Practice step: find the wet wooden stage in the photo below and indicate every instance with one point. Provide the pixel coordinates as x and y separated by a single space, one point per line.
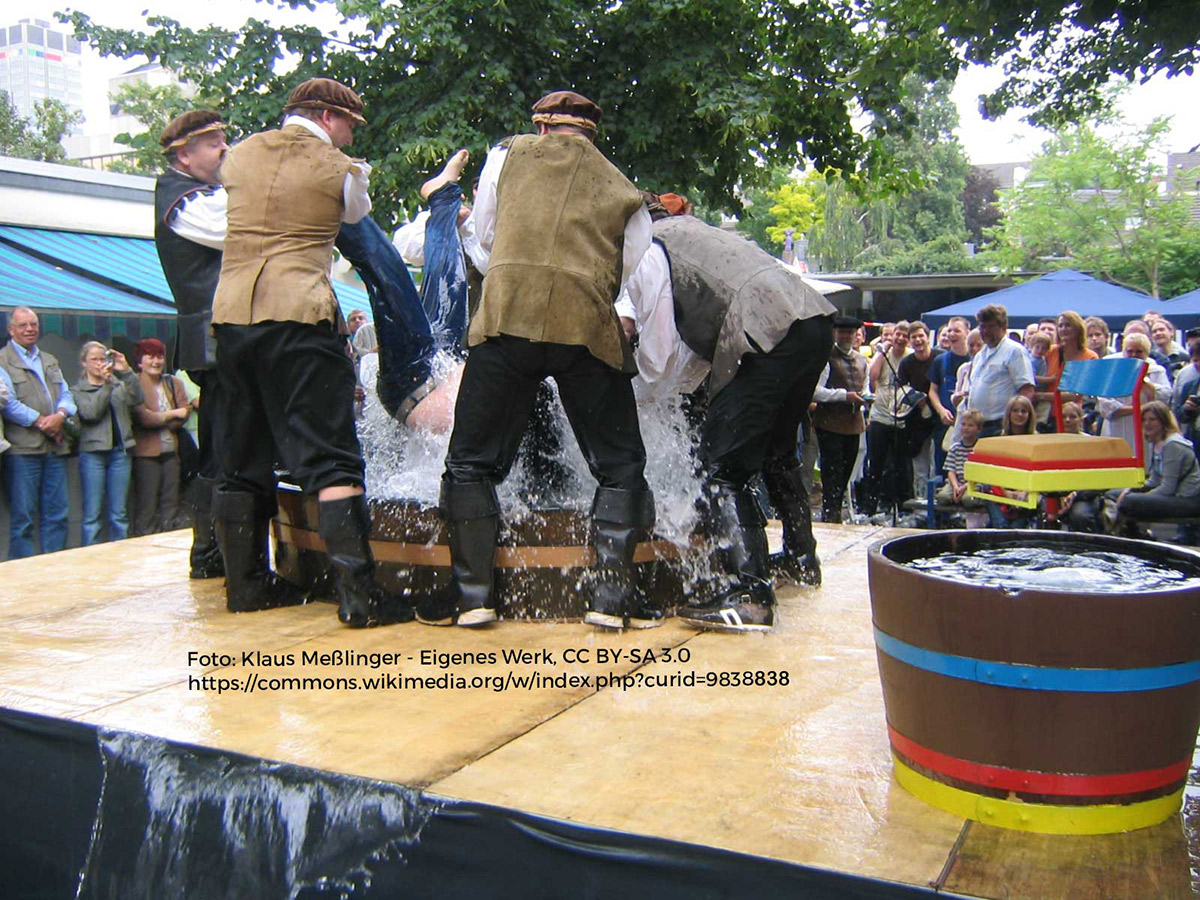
798 771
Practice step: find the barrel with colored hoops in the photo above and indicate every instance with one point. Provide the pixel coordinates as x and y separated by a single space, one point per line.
1050 711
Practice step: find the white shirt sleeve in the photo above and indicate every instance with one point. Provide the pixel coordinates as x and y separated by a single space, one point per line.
665 363
409 240
354 193
202 218
470 243
485 204
639 235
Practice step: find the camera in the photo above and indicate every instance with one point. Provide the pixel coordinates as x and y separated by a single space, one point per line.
110 357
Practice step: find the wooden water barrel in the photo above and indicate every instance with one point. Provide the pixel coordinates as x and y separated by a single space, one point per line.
539 561
1040 710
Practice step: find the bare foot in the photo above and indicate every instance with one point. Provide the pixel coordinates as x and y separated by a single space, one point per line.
453 169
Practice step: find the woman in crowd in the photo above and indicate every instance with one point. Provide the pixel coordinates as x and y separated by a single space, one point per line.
1117 412
105 396
1172 488
1072 334
161 414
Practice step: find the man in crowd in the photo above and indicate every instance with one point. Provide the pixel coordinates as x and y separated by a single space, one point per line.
35 466
189 232
999 372
705 296
888 481
913 374
838 417
943 376
563 229
281 360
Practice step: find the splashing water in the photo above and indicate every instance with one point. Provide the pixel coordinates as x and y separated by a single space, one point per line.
1044 568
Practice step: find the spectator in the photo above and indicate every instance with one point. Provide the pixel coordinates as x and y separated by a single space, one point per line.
1137 326
1191 338
163 411
35 411
1071 346
1072 416
106 396
1185 399
1172 488
1000 371
943 378
1117 412
913 375
1038 345
955 488
356 320
366 352
1162 333
888 482
1018 420
838 417
1048 326
1097 336
1030 330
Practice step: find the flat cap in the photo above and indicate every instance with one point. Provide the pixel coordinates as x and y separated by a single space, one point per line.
567 108
845 321
190 124
325 93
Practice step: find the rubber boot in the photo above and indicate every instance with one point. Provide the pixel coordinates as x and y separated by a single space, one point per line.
241 522
798 562
345 527
735 521
614 599
206 561
472 514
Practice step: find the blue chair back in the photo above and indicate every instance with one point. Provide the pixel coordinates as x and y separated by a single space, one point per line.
1101 377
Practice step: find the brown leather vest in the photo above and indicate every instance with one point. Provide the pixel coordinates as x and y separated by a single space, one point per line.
285 210
28 441
849 374
555 268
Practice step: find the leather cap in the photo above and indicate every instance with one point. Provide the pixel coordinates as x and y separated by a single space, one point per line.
325 93
567 108
190 124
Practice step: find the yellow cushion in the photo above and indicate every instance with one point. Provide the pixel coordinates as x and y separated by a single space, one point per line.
1039 447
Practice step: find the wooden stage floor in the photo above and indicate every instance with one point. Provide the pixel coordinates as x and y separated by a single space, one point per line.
798 771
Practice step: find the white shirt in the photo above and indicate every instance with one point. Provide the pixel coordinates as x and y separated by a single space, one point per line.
997 374
638 230
1126 427
409 241
665 363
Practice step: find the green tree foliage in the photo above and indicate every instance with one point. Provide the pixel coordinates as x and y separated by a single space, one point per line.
153 106
795 208
41 139
980 209
700 98
1100 204
1058 55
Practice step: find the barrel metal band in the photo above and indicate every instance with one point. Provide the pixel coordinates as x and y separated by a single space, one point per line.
1037 817
1039 678
526 557
1038 782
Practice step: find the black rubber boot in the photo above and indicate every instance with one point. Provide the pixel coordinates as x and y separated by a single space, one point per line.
798 562
345 527
735 523
619 518
205 559
472 514
241 522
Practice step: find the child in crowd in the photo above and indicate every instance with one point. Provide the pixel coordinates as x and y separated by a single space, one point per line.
955 488
1018 419
1039 346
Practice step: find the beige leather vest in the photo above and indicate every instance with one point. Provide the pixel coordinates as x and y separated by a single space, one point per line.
555 268
285 210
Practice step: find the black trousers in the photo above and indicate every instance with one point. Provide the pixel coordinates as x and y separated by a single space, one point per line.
838 453
209 418
889 466
756 417
498 388
288 395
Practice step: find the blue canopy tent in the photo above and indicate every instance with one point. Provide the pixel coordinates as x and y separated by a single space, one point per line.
1058 291
1184 310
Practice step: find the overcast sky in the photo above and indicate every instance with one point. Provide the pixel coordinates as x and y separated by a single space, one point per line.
1008 140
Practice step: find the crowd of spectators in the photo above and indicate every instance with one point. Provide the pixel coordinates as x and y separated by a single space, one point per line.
928 399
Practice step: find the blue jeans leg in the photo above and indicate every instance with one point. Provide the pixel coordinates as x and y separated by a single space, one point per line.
91 481
54 504
22 478
117 493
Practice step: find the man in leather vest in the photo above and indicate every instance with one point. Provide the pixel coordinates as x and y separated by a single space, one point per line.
564 229
189 232
35 465
838 418
765 335
283 368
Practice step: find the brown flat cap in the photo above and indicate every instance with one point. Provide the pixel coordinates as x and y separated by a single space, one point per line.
325 93
567 108
192 123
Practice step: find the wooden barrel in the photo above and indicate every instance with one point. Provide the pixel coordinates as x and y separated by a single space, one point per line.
539 561
1039 710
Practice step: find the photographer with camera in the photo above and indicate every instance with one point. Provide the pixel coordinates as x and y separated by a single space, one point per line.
1185 401
105 396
